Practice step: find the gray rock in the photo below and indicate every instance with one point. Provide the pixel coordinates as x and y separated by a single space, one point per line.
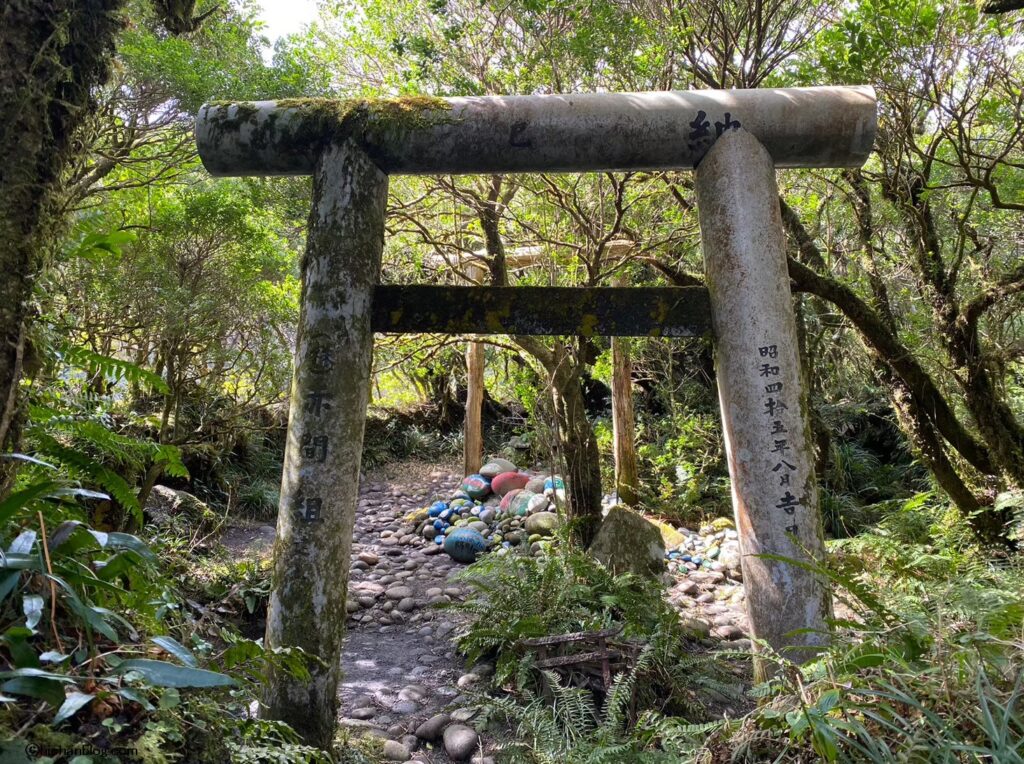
460 742
364 713
405 707
406 604
432 728
496 466
544 523
697 627
626 542
395 751
398 593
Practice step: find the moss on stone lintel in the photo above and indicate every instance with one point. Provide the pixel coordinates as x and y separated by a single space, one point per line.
317 121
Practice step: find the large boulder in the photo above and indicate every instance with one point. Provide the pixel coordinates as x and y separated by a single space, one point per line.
627 543
670 536
166 507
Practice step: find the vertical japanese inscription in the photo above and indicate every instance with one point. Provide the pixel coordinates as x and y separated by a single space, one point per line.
775 409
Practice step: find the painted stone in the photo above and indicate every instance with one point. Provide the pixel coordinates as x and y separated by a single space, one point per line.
463 545
509 481
476 486
460 494
521 503
508 498
495 467
556 485
436 508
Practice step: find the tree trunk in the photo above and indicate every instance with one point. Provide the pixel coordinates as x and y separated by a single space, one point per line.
52 57
581 454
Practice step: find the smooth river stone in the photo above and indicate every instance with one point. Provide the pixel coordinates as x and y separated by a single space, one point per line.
544 523
495 467
509 481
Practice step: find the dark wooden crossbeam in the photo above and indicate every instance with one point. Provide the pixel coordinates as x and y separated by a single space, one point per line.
586 311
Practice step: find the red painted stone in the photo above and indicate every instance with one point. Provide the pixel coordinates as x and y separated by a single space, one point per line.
508 481
506 500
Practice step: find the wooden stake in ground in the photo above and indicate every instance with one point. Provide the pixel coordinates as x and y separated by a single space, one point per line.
627 479
473 435
330 393
762 396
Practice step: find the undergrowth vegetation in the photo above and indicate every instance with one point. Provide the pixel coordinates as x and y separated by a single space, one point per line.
926 662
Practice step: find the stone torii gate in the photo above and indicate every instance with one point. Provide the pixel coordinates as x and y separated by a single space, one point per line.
734 140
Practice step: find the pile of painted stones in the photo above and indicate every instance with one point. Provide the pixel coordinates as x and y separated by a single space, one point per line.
500 508
715 547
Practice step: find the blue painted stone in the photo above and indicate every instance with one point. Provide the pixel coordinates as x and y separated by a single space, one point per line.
439 539
446 514
686 558
556 483
439 524
476 486
697 560
673 555
464 544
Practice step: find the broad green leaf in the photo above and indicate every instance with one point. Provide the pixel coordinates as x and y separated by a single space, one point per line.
7 583
50 690
9 507
22 545
72 704
178 650
130 693
162 674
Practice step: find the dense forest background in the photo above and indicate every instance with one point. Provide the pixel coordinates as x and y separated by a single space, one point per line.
149 313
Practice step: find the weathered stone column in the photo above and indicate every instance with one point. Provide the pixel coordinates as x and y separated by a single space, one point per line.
760 388
330 393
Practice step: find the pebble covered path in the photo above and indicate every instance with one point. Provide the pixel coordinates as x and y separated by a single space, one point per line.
401 673
403 681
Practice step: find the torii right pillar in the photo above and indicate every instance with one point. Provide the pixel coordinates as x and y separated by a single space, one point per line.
762 397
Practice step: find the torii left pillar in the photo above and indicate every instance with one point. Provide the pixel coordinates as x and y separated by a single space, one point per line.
330 393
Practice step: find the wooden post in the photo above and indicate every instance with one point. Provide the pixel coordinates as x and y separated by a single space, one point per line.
627 480
762 396
330 393
473 436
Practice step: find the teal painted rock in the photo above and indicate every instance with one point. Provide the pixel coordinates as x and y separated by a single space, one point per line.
476 486
495 467
464 545
521 503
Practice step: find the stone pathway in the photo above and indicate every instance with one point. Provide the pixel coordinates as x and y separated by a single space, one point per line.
401 673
